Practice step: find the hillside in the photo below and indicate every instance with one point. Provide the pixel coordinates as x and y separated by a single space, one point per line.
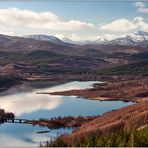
48 57
53 44
139 68
127 118
132 138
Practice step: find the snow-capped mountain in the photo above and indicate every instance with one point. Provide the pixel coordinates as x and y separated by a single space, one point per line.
133 39
98 41
138 38
4 38
41 37
67 40
101 40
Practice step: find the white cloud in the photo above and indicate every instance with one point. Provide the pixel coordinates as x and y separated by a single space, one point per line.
41 20
110 36
141 25
23 21
7 32
141 7
137 20
139 4
143 10
16 141
33 103
101 36
121 25
73 37
124 25
60 36
76 37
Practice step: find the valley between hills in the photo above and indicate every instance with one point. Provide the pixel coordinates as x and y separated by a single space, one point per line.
123 69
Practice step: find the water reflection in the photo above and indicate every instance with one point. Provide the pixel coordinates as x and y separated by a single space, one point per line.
30 105
75 85
13 141
26 135
29 102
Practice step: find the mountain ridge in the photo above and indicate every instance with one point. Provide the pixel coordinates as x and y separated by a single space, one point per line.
138 38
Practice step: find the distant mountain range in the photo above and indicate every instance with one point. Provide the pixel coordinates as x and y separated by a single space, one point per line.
135 39
63 55
42 37
138 38
132 43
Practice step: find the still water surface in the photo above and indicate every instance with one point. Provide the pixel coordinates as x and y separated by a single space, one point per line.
29 105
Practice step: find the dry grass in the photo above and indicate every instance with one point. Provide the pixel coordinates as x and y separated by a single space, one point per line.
133 116
120 88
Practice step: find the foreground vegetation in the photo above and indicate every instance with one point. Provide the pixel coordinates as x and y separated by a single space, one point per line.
132 138
123 127
5 116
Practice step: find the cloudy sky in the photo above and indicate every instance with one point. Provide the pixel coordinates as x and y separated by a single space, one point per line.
77 20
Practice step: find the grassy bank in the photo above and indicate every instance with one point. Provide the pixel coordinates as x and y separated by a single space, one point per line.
132 138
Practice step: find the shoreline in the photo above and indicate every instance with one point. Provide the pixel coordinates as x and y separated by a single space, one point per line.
29 85
127 118
120 89
58 79
62 122
113 90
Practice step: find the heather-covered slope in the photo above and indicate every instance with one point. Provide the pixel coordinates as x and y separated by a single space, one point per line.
126 118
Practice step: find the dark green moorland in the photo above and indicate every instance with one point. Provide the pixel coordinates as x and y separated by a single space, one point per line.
139 68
